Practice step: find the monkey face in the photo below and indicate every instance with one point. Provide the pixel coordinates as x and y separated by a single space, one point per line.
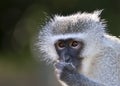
69 50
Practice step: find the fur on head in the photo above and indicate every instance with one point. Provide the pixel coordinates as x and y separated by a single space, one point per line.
87 27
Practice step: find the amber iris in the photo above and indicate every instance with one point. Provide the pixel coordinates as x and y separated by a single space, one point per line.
61 44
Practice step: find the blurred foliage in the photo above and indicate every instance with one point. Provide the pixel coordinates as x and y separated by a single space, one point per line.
20 20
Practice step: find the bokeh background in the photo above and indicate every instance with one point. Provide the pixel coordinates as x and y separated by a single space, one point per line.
20 20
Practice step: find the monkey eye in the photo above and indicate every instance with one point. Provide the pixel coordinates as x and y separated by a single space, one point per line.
60 44
74 44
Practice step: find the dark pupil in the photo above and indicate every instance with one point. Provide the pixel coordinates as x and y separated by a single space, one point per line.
61 44
74 43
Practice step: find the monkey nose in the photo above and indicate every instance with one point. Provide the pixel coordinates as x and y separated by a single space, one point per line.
67 58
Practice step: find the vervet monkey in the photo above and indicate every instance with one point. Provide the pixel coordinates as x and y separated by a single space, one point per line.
83 53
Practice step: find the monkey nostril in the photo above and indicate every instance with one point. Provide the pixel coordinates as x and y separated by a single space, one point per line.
67 59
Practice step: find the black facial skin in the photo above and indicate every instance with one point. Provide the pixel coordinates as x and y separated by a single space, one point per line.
69 50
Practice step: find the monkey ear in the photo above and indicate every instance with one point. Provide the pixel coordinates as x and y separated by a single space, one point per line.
98 12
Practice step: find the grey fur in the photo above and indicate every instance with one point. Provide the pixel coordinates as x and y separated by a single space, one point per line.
101 53
75 23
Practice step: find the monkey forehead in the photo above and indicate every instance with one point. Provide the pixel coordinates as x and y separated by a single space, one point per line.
85 38
77 36
75 23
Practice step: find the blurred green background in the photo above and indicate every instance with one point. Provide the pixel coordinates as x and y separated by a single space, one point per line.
19 22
